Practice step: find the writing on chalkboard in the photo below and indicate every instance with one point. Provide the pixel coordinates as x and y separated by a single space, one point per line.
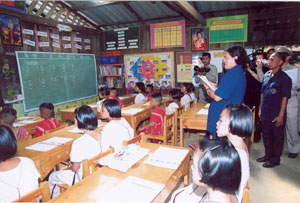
56 77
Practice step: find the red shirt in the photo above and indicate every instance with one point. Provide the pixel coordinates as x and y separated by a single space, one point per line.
157 117
47 124
121 103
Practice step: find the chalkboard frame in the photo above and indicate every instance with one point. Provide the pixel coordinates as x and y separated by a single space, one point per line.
21 79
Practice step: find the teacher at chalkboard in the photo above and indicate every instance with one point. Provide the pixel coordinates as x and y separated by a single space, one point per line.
231 89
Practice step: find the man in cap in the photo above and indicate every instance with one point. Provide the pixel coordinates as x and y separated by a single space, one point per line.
291 128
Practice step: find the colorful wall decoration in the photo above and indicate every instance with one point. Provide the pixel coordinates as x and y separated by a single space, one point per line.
150 68
228 29
167 35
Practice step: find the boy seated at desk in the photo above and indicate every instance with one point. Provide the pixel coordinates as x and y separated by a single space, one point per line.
85 147
156 125
47 113
149 91
174 98
113 94
7 118
103 94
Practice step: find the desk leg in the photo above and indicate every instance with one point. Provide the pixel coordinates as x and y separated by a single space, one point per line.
186 179
181 133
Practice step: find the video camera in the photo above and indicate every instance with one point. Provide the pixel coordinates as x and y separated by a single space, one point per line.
198 70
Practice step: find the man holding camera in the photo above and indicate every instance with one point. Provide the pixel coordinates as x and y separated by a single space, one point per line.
208 70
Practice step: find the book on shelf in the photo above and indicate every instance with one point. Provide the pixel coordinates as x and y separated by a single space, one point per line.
114 82
110 70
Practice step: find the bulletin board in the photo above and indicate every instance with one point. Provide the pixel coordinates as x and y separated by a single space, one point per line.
228 29
151 68
184 66
167 35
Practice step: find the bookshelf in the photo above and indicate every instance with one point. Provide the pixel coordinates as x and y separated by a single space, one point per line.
111 75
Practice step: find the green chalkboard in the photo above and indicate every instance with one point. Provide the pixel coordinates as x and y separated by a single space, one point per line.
56 77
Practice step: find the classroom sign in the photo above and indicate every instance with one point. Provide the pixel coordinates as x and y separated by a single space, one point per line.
228 29
151 68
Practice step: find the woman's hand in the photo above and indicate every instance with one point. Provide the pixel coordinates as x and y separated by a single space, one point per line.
278 121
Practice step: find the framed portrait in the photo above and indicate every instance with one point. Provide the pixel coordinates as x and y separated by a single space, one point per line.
200 39
11 32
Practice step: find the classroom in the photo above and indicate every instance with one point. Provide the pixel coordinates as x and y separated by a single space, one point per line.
149 101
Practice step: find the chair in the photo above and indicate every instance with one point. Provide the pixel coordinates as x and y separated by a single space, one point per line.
56 129
246 194
191 104
140 138
87 163
169 129
43 191
250 140
178 112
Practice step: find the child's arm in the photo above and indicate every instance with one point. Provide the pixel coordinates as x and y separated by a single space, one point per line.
147 126
74 166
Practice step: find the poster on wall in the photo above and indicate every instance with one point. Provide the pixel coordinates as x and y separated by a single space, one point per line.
167 35
19 6
228 29
199 39
184 66
122 38
11 34
151 68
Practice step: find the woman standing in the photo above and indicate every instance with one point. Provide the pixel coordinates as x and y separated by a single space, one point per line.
231 89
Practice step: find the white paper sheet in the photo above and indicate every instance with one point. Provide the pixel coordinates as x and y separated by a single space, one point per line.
133 190
293 74
124 158
132 111
75 130
18 124
26 121
203 112
205 80
207 106
57 140
41 147
165 157
93 105
147 104
123 97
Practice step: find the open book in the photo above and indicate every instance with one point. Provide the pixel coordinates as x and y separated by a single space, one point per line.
205 80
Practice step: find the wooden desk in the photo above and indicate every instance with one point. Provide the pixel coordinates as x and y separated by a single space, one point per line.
30 127
92 188
68 114
45 161
191 120
127 99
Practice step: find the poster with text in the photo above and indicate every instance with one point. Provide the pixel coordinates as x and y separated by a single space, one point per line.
184 66
150 68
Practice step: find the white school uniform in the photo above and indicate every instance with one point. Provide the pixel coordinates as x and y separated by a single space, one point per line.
85 147
139 98
193 96
23 178
244 157
185 100
99 105
191 193
171 108
114 133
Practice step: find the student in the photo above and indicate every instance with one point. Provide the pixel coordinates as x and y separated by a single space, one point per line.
156 125
236 123
85 147
46 112
149 91
117 129
103 94
186 99
217 167
192 92
174 97
140 89
18 175
114 95
7 118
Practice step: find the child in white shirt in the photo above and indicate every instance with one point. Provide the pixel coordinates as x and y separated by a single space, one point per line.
18 175
174 97
85 147
117 129
186 99
140 89
192 92
103 94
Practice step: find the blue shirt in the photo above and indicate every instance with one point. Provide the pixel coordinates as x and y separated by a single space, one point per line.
273 90
232 89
